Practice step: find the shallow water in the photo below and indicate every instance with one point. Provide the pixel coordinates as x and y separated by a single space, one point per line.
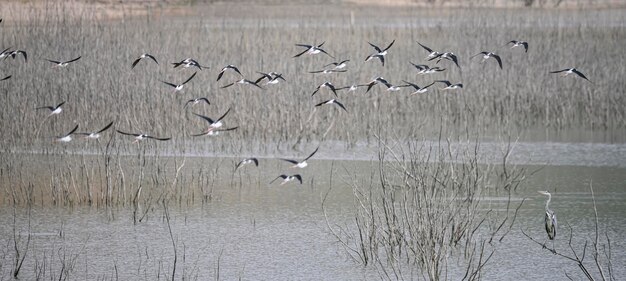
259 231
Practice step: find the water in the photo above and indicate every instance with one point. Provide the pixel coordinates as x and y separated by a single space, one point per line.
271 232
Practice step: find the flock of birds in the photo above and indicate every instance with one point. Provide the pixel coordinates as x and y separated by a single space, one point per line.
215 126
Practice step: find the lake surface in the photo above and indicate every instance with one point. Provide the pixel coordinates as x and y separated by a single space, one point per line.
258 231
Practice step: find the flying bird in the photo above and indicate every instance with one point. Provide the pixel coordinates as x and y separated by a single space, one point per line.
328 71
431 54
287 179
450 86
380 54
213 124
448 56
214 132
425 69
247 161
15 53
63 63
351 88
140 137
550 218
53 109
300 164
196 101
569 71
312 50
332 101
67 137
325 85
488 55
515 43
143 56
272 78
95 135
228 67
188 62
417 88
180 86
338 65
376 80
243 82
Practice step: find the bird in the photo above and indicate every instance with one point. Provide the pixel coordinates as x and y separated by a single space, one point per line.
140 137
243 82
569 71
380 54
325 85
95 135
5 53
550 218
6 78
53 109
247 161
15 53
338 65
63 63
213 124
448 56
188 62
431 54
312 50
287 179
272 78
375 81
488 55
214 132
146 55
450 86
417 88
351 88
328 71
228 67
196 101
300 164
391 87
332 101
425 69
67 137
515 43
180 86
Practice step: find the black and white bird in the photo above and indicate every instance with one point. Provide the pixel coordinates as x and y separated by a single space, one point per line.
418 89
450 86
196 101
180 86
568 71
300 164
332 101
325 85
140 137
226 68
447 56
328 71
67 137
287 179
95 135
247 161
15 53
243 82
425 69
391 87
53 109
272 78
351 88
143 56
431 54
515 43
188 62
488 55
214 132
312 50
380 53
338 65
377 80
63 63
213 124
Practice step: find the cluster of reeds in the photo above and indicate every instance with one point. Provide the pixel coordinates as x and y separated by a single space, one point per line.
425 214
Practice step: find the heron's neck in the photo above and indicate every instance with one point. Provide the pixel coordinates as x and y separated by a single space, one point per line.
548 202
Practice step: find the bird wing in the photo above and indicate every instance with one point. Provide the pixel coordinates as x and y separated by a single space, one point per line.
153 58
341 105
498 59
128 134
59 105
189 79
525 44
160 139
224 115
580 74
205 100
135 63
289 160
321 50
5 78
73 60
390 44
375 47
281 176
298 177
204 117
219 76
105 128
53 61
299 54
425 48
311 154
559 71
226 86
445 82
73 130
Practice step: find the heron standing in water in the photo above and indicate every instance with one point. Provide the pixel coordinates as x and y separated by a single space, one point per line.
550 218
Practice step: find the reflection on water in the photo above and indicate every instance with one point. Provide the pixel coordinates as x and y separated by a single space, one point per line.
269 232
